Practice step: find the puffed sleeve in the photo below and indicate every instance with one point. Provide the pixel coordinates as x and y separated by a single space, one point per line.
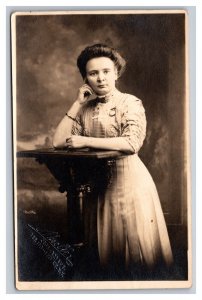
133 122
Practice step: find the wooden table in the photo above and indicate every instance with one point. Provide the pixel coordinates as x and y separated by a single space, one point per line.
80 173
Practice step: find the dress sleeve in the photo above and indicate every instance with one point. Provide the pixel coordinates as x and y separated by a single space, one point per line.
77 125
133 122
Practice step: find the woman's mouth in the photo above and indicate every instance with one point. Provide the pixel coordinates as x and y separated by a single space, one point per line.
102 85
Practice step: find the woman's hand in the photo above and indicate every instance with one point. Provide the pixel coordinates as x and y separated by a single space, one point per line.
83 94
76 141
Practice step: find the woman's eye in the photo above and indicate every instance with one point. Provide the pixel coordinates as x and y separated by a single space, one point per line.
106 72
93 74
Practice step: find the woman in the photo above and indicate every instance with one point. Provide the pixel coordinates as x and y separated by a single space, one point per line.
130 224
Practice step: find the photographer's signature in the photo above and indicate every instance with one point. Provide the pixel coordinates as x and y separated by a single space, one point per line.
60 255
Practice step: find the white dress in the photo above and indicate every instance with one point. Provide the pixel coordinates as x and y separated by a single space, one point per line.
130 223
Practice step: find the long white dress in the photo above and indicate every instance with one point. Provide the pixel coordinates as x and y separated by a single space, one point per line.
130 223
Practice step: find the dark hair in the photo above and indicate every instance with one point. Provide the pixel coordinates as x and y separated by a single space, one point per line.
100 50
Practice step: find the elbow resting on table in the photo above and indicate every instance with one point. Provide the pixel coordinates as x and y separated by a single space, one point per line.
130 151
56 143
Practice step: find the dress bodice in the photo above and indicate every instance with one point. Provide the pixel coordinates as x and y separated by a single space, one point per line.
121 115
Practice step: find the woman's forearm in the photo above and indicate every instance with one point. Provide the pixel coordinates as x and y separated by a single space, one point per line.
64 128
116 143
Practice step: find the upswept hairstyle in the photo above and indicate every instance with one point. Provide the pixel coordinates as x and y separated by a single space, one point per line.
100 50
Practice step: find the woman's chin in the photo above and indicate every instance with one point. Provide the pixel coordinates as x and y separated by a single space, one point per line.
103 92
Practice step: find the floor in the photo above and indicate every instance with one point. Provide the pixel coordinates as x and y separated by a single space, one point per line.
44 253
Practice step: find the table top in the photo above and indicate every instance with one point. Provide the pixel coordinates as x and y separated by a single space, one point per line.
66 153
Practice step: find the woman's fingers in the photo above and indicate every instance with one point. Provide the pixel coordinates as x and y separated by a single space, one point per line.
69 142
75 142
86 88
84 92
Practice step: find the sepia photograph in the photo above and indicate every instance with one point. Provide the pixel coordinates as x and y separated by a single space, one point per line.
101 149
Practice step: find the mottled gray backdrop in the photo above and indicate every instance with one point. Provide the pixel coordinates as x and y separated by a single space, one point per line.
48 79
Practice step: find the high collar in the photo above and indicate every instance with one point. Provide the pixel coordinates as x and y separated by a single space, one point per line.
107 97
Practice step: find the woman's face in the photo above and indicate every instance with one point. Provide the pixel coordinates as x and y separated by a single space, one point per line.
101 75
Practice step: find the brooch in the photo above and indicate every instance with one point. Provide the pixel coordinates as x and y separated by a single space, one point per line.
112 112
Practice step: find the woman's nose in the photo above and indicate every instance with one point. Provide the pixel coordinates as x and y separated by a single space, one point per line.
100 76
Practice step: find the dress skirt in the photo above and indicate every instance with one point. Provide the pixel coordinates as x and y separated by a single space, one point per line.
130 223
